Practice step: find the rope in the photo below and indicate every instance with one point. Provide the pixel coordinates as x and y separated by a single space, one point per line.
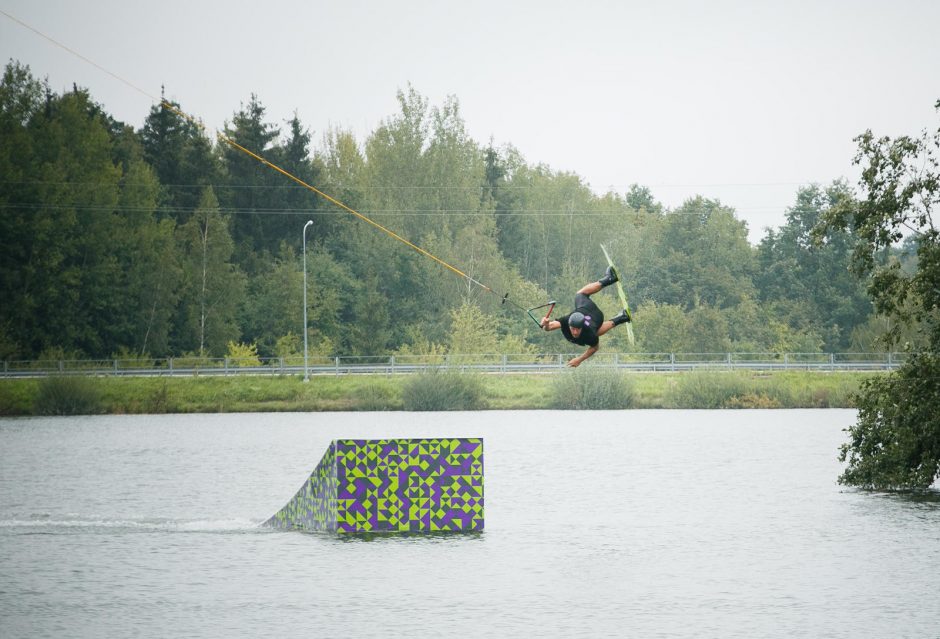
79 55
165 104
235 145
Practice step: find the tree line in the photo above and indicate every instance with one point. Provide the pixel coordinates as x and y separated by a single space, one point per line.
159 241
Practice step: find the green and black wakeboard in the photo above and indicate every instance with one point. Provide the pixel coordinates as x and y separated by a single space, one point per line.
622 296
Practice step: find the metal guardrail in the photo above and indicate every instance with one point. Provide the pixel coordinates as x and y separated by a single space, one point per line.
486 363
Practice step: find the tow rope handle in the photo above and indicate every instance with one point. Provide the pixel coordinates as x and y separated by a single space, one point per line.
551 307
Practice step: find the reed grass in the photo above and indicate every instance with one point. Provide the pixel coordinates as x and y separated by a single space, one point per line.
592 389
67 395
584 387
440 390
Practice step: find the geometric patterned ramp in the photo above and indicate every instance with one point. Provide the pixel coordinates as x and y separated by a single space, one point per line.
391 485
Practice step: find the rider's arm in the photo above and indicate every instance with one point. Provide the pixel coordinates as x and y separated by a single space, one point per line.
574 363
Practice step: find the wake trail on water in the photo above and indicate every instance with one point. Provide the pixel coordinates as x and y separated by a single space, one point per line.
53 524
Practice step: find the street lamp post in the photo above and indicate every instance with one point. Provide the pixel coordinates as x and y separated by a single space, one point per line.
306 369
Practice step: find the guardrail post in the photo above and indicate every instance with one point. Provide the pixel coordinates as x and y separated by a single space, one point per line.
672 362
729 361
226 366
890 359
505 361
391 365
336 361
61 366
115 367
832 361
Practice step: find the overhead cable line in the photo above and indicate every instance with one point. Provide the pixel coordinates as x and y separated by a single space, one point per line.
401 212
407 187
235 145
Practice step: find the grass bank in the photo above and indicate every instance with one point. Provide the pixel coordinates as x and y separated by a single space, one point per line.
129 395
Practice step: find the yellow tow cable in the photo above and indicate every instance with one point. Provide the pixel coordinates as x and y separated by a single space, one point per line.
165 104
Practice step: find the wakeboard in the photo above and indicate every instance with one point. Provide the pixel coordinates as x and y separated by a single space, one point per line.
622 296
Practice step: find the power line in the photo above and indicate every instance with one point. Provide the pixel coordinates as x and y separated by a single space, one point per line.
404 187
235 145
321 211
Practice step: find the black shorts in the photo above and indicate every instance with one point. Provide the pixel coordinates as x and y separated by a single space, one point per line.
585 305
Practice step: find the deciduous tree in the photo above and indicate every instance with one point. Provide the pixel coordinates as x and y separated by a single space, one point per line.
895 443
213 286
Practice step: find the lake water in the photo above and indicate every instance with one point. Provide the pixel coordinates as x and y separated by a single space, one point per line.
620 523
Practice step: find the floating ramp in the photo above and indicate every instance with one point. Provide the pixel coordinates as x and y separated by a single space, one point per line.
391 485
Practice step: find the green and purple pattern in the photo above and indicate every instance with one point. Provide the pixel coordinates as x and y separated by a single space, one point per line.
391 485
314 505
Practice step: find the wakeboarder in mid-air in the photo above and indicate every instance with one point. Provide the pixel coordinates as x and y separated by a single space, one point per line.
585 324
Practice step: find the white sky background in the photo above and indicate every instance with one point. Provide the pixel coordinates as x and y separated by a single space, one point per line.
738 100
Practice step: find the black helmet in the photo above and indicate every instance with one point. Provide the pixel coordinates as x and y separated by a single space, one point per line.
576 320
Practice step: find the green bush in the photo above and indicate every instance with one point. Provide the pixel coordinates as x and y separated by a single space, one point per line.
443 390
374 397
593 389
709 389
245 355
66 395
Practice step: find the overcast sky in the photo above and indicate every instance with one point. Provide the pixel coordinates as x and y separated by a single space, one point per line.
741 101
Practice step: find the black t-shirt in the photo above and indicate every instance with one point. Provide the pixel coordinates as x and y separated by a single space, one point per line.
593 318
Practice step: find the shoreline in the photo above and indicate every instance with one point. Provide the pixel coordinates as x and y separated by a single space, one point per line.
244 394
